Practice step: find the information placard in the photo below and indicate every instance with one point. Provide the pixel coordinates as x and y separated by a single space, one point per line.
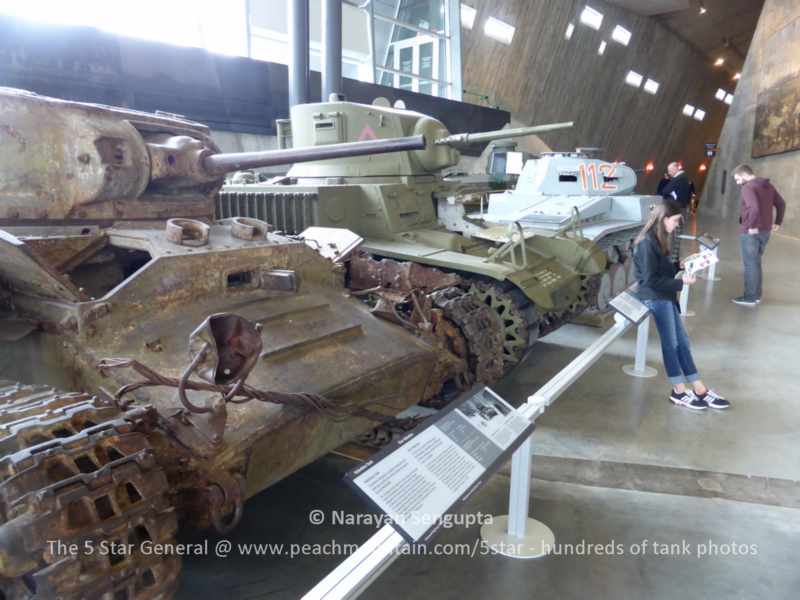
695 263
630 307
428 473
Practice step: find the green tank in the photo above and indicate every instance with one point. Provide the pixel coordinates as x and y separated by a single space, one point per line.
399 203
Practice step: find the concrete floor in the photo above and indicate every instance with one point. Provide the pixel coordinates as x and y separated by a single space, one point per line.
614 461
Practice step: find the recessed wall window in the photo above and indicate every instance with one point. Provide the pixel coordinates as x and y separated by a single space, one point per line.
729 99
497 30
699 114
633 78
570 31
468 16
651 86
602 49
592 18
621 35
688 110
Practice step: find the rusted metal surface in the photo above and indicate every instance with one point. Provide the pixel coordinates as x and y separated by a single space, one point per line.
77 475
367 272
187 232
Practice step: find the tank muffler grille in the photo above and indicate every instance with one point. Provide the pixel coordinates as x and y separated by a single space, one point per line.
291 213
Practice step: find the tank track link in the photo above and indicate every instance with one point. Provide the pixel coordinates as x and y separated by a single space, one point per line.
83 502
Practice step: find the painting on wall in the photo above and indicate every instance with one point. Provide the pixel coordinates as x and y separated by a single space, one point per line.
777 126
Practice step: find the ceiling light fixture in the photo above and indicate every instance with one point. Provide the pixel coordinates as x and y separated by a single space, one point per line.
621 35
719 62
633 78
602 49
703 9
699 114
720 95
688 110
729 99
592 18
497 30
737 77
570 31
651 86
467 16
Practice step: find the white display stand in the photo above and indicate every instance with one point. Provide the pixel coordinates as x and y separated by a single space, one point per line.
684 302
639 367
523 536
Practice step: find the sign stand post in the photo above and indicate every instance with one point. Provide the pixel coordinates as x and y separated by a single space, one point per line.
684 303
639 368
517 535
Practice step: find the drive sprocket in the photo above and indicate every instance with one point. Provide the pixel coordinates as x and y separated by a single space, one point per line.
516 313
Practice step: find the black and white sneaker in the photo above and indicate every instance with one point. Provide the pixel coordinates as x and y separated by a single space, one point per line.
714 400
742 301
688 400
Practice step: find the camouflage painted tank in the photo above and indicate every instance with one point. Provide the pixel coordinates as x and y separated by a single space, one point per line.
503 289
209 359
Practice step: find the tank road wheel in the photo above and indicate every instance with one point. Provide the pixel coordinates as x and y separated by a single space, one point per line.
519 318
82 500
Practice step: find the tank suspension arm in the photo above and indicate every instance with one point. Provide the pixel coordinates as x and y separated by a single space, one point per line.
465 139
219 164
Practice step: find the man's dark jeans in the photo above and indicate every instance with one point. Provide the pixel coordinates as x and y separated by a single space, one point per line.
753 247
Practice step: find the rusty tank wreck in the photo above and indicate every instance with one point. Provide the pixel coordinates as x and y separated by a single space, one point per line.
159 367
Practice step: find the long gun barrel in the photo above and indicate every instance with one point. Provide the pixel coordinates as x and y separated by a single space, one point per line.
219 164
465 139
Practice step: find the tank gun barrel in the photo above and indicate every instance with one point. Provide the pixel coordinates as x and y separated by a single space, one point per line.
465 139
219 164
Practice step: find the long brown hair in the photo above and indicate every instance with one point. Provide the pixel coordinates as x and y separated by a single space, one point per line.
655 223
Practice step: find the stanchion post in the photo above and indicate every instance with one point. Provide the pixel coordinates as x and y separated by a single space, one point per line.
640 368
517 535
712 270
684 302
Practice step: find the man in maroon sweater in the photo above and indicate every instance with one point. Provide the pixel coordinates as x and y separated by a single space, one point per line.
759 198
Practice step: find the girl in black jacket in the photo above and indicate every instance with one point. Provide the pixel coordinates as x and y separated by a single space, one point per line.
658 290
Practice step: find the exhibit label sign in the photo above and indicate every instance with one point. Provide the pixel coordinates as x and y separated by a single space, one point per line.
428 473
630 307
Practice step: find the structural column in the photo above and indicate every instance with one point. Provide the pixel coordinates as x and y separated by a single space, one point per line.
299 44
331 48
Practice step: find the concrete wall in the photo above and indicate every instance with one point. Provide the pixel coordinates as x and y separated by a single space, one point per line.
774 53
543 77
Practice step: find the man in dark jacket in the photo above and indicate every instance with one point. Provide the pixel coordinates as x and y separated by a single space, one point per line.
757 219
678 191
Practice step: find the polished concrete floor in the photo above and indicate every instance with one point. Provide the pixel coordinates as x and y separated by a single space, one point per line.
614 463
